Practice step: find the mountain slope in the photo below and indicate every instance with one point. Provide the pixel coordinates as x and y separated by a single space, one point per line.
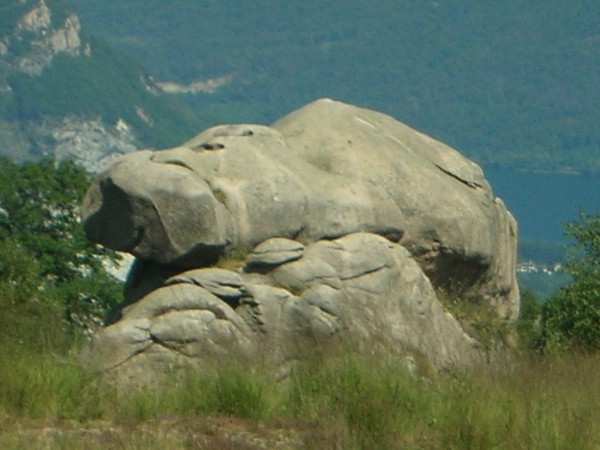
515 83
64 92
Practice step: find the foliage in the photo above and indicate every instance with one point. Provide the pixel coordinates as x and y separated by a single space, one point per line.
571 318
528 323
586 233
52 280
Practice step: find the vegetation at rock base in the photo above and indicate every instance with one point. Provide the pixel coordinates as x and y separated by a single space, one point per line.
569 320
529 324
479 320
344 402
232 260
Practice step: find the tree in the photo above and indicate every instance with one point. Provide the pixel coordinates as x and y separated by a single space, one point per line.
52 279
571 318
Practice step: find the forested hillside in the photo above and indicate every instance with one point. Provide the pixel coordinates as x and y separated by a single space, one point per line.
513 83
63 90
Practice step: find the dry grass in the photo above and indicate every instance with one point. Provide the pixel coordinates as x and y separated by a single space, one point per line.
203 432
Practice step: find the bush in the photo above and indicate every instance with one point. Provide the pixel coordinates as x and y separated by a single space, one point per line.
53 285
571 318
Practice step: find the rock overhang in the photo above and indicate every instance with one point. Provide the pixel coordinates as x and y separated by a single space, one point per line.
293 197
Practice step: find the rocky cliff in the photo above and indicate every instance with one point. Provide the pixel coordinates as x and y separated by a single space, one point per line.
65 94
41 39
346 225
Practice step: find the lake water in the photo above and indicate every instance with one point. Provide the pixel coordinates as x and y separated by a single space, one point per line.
542 203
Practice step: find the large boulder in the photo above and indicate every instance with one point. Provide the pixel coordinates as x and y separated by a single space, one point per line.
360 291
357 203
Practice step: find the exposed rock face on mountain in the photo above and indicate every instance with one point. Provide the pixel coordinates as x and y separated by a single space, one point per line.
40 35
95 145
348 220
65 94
44 39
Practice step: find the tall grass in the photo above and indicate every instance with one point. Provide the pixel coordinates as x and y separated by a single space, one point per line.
348 402
234 390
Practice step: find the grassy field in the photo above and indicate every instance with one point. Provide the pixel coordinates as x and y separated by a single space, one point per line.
521 402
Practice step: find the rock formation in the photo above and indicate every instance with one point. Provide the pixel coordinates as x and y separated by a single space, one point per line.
47 41
344 222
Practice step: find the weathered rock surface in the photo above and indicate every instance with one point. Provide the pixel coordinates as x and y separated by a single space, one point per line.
274 252
351 220
360 289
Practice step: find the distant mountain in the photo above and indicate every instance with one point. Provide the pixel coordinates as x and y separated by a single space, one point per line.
507 82
64 92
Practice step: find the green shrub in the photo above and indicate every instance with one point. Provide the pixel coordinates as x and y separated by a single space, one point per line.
571 318
53 285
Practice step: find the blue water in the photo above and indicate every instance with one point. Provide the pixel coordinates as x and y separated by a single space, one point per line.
542 203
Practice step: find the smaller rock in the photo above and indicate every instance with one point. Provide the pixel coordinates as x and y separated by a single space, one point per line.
272 253
225 284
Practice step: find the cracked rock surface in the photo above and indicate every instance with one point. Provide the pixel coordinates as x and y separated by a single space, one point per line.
344 220
360 287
